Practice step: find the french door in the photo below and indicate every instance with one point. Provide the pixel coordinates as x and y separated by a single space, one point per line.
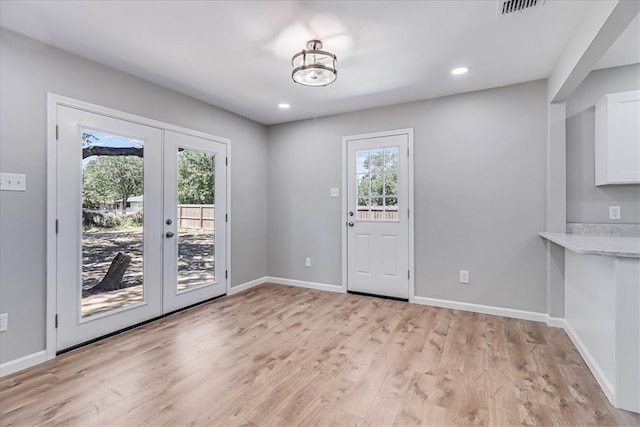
140 223
377 214
194 220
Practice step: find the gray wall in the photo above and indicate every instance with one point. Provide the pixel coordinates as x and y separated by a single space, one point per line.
480 161
28 70
585 201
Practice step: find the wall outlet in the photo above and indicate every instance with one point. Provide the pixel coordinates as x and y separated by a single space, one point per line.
307 262
4 321
334 192
615 212
13 182
464 276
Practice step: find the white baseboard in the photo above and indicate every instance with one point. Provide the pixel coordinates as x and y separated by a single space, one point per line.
556 322
247 285
23 362
483 309
455 305
597 372
303 284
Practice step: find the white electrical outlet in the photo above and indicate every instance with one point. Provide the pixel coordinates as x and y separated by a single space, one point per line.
464 276
335 192
13 182
4 321
307 262
614 212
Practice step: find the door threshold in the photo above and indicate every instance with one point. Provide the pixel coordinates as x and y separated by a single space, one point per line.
378 296
128 328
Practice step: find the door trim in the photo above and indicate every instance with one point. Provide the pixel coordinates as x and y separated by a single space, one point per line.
343 217
53 101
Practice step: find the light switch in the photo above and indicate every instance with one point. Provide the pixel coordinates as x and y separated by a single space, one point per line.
13 182
335 192
464 276
614 212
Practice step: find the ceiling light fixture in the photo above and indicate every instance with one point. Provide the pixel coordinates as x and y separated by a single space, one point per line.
459 70
313 66
284 106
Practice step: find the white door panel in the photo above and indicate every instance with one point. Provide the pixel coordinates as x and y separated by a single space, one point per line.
390 252
363 257
195 257
378 225
86 253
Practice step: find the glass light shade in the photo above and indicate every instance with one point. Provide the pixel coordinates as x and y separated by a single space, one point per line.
314 67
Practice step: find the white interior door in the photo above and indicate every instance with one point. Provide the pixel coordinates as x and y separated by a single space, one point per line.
109 240
195 220
377 215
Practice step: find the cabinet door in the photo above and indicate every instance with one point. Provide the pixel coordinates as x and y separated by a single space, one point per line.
618 139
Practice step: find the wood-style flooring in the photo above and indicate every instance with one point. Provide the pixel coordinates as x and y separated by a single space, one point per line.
285 356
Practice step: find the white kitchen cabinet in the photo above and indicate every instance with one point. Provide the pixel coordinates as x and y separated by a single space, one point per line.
617 139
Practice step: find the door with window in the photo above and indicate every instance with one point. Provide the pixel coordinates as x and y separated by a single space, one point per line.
195 223
139 228
377 214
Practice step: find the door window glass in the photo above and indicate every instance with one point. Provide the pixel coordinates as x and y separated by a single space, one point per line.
112 222
196 219
377 184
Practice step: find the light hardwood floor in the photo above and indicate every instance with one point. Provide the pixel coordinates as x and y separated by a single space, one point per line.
279 355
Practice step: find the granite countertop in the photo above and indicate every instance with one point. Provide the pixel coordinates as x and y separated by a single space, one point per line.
625 247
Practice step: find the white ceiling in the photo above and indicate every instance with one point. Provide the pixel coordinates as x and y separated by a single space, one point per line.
236 54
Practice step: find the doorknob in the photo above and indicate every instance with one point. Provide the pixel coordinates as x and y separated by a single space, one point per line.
169 234
350 224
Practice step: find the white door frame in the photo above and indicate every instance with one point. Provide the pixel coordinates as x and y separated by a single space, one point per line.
53 101
344 219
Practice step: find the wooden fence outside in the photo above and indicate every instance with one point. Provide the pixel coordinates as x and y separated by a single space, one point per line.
202 216
196 216
377 213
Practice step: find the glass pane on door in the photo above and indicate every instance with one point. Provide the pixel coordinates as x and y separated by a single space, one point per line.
112 222
377 184
196 219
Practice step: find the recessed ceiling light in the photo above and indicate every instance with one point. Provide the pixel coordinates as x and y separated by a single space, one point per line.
284 106
459 70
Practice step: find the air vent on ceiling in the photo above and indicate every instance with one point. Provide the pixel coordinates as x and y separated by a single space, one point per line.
506 7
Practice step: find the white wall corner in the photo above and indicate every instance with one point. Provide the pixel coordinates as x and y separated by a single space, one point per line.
556 214
595 369
556 322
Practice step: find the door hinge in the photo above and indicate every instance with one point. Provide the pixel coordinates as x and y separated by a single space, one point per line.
408 212
56 226
407 151
57 132
226 161
56 320
226 274
408 274
226 217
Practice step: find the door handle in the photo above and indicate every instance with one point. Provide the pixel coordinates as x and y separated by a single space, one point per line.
169 234
350 224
